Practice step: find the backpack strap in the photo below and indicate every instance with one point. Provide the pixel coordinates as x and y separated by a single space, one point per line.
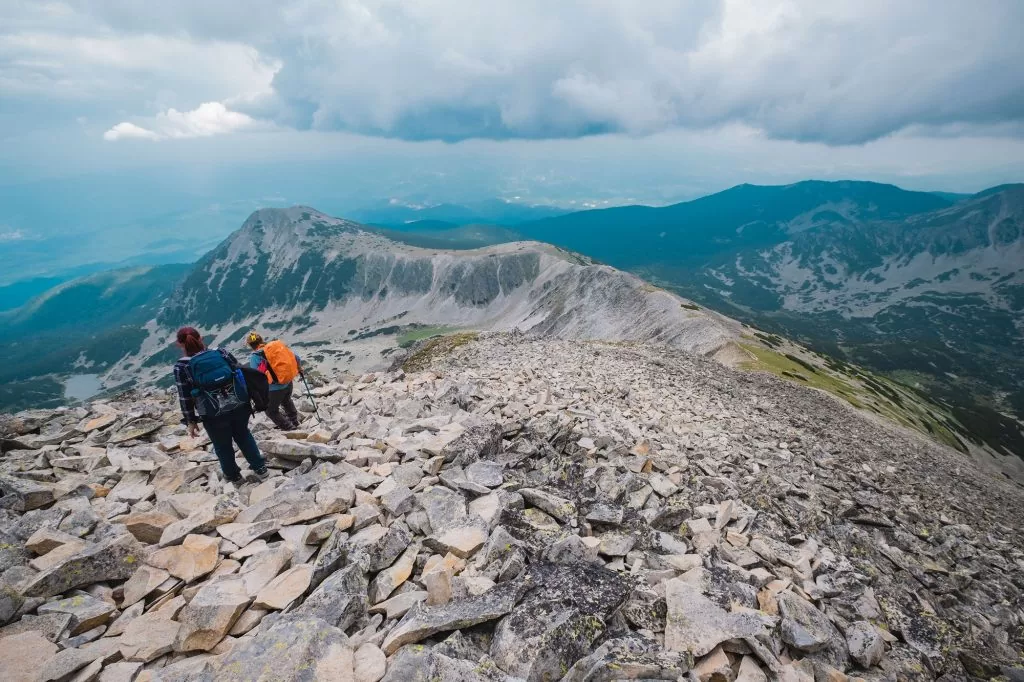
270 370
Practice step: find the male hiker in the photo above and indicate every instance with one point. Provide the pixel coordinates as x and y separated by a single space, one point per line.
281 366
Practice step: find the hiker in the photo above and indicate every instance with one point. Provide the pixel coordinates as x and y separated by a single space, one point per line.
281 366
207 394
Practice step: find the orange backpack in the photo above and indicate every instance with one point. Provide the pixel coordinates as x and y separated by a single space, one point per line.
282 367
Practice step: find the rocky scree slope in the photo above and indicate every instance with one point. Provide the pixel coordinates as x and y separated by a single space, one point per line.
346 292
928 291
522 509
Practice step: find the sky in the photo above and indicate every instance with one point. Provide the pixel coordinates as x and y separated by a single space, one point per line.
173 119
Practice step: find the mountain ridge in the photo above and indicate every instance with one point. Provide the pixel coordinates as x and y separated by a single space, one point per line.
841 277
350 297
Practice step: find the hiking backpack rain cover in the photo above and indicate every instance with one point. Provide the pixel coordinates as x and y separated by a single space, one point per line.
217 388
282 367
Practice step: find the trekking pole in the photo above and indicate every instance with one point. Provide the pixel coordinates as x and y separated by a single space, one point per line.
310 394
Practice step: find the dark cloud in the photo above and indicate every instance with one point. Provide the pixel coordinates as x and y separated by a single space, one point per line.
833 71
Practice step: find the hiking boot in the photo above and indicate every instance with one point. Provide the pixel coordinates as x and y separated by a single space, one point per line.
261 473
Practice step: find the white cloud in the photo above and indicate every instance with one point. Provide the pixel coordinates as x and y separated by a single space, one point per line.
842 72
209 118
12 236
129 130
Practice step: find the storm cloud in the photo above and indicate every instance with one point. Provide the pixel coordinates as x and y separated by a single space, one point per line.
837 72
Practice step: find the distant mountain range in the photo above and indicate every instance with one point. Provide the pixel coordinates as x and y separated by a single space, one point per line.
489 211
927 288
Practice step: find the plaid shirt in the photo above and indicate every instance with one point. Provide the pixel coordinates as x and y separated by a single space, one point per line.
183 380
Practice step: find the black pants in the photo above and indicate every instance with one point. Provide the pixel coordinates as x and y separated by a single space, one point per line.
226 428
286 419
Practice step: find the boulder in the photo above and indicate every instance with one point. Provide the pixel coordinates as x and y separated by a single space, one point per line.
285 588
148 526
195 557
116 558
21 654
86 611
149 637
211 613
865 644
293 648
203 520
370 663
261 568
340 600
422 622
558 619
25 495
696 625
145 579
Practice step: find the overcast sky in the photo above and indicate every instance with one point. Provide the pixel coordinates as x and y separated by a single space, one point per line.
617 100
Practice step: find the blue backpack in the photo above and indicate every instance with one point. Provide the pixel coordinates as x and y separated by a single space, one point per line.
217 388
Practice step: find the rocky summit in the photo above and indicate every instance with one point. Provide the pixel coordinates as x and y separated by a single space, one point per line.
512 508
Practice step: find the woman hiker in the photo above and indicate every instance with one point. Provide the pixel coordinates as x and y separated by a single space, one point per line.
224 422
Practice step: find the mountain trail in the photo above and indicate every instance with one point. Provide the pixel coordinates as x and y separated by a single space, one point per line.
515 509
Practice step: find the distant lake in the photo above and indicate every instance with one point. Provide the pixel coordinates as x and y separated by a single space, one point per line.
82 386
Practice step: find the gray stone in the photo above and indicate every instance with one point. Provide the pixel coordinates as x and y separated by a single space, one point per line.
296 451
341 599
422 622
421 664
865 644
293 648
243 533
26 494
133 430
203 520
605 513
569 550
53 626
476 442
444 508
208 617
261 568
558 507
487 474
381 545
696 625
559 618
616 544
804 627
628 658
86 611
114 559
398 501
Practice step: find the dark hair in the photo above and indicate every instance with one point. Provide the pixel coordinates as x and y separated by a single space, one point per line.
191 340
254 340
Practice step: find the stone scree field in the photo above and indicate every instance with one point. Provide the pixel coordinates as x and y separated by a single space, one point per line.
521 510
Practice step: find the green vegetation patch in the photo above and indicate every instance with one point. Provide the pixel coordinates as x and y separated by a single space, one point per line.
435 348
419 332
864 390
788 366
